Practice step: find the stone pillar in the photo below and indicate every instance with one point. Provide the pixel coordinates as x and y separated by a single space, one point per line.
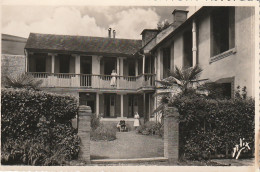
171 135
84 132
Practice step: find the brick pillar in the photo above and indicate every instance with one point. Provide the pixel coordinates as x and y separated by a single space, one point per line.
84 132
171 135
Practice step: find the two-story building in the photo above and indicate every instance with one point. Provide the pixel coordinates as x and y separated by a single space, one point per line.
219 39
82 66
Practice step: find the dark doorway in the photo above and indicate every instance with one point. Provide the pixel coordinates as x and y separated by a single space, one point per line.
131 67
109 104
86 70
88 99
132 105
109 65
64 63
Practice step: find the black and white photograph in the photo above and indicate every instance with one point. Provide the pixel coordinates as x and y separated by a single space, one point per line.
129 85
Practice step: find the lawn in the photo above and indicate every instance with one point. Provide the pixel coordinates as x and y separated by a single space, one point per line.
127 145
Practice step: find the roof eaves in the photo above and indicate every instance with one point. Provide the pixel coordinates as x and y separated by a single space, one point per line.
179 27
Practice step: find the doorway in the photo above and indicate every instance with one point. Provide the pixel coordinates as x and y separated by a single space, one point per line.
88 99
85 70
109 101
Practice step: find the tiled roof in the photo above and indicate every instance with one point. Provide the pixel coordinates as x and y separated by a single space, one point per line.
82 44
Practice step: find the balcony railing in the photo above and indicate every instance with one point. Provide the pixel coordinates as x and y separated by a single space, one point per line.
93 81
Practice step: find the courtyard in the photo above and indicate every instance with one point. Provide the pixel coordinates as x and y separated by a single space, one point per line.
127 145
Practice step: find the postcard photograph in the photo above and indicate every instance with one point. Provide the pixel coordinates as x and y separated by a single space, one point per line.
128 85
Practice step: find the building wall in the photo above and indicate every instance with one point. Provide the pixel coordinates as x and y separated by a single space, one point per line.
239 65
12 65
13 45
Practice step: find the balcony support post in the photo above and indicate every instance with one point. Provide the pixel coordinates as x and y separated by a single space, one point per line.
136 67
144 110
52 63
97 104
122 105
143 63
77 69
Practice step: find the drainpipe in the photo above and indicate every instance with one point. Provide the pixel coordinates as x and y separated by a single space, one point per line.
194 44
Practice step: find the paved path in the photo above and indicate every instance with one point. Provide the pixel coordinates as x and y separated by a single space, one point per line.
127 145
234 162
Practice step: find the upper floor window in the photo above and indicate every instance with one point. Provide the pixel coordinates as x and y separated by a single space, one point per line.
222 30
166 61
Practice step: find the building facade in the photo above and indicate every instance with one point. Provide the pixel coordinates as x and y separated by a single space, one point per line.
82 66
219 39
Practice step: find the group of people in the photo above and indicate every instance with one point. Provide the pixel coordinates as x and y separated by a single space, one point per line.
122 126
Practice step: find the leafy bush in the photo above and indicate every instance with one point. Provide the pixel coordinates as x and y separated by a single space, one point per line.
213 126
106 133
151 128
95 121
36 128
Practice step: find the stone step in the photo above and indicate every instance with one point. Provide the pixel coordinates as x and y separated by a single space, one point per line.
132 160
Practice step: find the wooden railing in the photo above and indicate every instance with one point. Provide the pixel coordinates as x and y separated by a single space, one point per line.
94 81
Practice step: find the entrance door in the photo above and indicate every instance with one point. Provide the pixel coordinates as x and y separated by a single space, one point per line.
109 105
112 105
132 105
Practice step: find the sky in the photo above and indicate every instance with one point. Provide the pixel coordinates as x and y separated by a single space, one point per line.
84 20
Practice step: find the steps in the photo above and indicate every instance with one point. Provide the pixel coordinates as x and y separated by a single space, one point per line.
126 161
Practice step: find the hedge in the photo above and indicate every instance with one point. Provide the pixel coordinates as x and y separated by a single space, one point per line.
37 119
210 126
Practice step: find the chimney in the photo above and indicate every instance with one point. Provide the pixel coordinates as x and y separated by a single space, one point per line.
114 34
148 35
109 32
179 16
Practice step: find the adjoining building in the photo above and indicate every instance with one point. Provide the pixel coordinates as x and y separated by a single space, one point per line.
12 56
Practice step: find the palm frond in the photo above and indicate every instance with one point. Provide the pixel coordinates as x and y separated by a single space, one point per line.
22 81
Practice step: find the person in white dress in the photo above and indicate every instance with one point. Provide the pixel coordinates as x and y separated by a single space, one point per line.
136 121
113 79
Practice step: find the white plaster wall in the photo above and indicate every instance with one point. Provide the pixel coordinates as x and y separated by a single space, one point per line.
178 51
239 65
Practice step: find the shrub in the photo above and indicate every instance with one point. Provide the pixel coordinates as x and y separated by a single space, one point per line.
151 128
106 133
95 121
213 125
36 127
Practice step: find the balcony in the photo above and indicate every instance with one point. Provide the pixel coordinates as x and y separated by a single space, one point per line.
63 80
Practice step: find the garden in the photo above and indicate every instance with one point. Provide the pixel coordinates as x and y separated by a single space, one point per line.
36 126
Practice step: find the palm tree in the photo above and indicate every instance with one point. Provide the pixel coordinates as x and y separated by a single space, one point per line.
179 78
22 81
